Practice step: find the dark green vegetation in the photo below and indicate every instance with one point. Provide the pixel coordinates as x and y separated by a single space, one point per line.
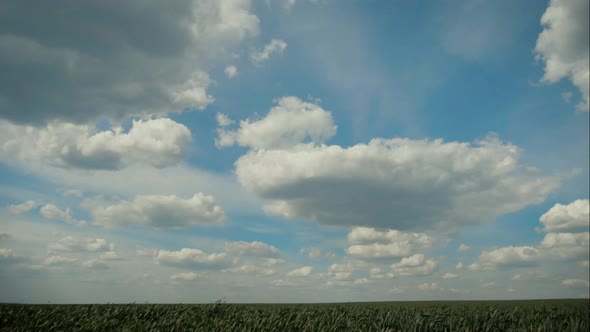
549 315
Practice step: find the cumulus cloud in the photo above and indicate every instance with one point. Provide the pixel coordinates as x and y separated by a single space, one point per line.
277 46
395 183
563 45
252 269
368 243
59 261
463 247
576 283
255 249
290 122
223 120
52 212
22 208
160 212
414 266
122 59
554 246
231 71
192 258
158 142
95 264
449 275
77 245
187 276
300 272
506 257
573 216
7 256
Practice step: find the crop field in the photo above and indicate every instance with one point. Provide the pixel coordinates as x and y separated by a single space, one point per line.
546 315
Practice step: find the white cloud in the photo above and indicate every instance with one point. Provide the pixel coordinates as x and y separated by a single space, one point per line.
7 256
463 247
252 269
412 261
274 46
223 120
487 284
395 183
414 266
449 275
315 253
283 283
300 272
72 192
160 212
459 266
52 212
291 122
567 217
255 248
59 261
555 246
95 264
231 71
191 258
563 45
506 257
433 286
158 142
22 208
368 243
575 283
72 244
187 276
192 94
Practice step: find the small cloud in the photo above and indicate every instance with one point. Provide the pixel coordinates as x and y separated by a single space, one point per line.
231 71
459 266
223 120
59 261
95 265
52 212
487 284
22 208
450 276
300 272
275 46
576 283
463 247
187 276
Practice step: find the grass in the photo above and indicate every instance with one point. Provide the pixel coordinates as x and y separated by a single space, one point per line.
545 315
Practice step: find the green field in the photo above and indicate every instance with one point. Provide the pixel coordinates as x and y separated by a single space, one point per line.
542 315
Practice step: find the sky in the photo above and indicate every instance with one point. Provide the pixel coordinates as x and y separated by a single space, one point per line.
293 150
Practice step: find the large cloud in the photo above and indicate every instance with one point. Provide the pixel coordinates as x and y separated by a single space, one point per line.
192 258
564 44
395 183
159 142
368 243
80 61
291 122
78 245
160 212
575 215
553 247
254 249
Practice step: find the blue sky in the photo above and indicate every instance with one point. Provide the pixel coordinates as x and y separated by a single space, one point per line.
293 151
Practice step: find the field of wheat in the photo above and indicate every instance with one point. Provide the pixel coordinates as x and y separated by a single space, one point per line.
553 315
